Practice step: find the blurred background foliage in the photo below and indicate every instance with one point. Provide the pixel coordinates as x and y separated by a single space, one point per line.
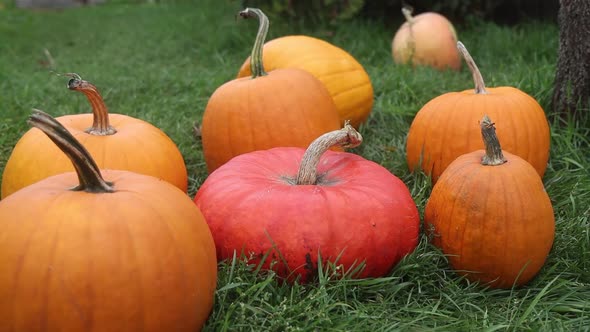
389 11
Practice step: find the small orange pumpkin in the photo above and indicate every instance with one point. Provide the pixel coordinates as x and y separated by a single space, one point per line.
344 77
441 131
78 253
116 141
491 215
284 107
427 39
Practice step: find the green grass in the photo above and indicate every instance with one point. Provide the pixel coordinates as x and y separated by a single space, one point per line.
161 62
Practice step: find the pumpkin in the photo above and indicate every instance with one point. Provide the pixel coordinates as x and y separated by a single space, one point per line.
80 252
427 39
345 78
285 207
441 130
491 215
116 141
265 110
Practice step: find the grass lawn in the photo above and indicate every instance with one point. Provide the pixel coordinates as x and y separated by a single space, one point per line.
162 62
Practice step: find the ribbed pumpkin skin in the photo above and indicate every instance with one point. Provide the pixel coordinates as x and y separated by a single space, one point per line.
344 77
496 221
287 107
139 259
431 41
361 211
446 128
137 146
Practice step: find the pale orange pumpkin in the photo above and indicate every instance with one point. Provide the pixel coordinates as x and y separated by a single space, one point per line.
83 253
427 39
345 78
116 141
491 215
284 107
442 130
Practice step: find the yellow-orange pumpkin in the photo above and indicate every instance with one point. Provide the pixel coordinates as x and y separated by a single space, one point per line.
116 141
442 130
344 77
426 39
80 254
491 215
284 107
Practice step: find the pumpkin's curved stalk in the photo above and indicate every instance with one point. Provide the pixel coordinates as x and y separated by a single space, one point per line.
480 87
100 123
346 137
407 12
88 172
256 64
494 155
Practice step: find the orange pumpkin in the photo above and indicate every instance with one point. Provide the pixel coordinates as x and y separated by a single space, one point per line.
491 215
116 141
284 107
79 253
344 77
426 39
442 130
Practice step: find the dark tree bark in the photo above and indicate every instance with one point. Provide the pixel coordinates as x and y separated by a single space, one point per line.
571 92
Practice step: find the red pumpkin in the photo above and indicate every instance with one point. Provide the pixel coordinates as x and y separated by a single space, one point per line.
294 205
80 254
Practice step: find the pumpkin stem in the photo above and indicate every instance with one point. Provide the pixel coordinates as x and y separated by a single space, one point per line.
480 87
407 11
100 123
346 137
256 65
493 156
88 172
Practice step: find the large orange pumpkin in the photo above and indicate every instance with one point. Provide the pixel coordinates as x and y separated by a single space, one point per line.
427 39
116 141
344 77
284 107
491 215
297 205
80 254
442 130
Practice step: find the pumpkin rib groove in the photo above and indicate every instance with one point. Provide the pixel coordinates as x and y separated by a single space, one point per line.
44 280
353 88
25 249
453 198
342 72
424 134
140 283
174 241
540 126
518 198
249 122
463 191
505 254
441 146
511 103
535 160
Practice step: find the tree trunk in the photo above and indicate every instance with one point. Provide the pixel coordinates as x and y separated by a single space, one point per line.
571 93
